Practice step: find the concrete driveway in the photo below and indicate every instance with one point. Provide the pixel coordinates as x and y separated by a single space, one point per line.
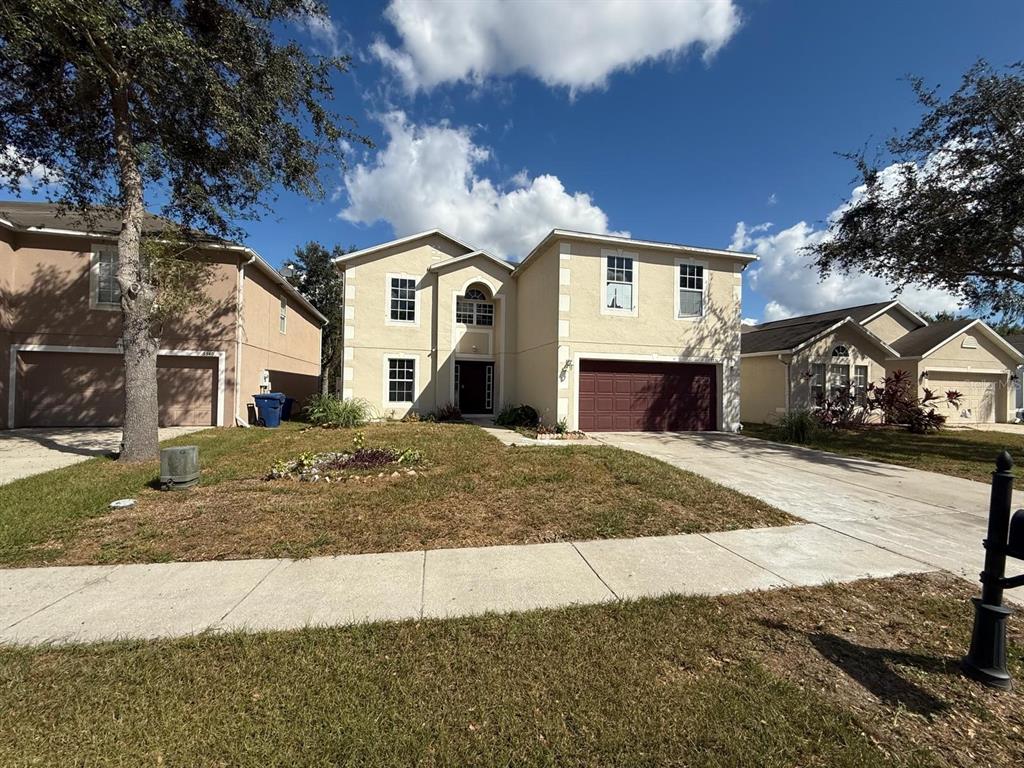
25 452
934 519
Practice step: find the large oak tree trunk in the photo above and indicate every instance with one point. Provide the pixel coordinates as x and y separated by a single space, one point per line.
141 408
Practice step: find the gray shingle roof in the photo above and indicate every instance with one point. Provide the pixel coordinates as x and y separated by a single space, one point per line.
779 338
105 221
922 340
1016 341
859 313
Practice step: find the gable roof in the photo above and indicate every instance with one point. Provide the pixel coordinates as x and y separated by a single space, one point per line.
924 341
439 265
555 234
105 224
862 313
756 339
1016 341
793 332
401 241
796 337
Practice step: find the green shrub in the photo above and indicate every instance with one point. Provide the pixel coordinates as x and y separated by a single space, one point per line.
799 426
448 412
330 411
517 416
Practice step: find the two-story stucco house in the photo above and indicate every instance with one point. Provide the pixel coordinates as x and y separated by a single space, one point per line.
60 326
793 363
605 332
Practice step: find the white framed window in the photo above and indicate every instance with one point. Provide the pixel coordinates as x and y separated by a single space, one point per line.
401 299
282 317
840 350
474 309
619 284
690 289
840 379
860 384
817 382
401 381
104 290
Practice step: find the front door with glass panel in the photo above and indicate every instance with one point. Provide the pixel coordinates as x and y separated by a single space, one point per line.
474 386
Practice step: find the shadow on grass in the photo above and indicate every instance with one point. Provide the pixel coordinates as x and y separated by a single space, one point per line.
875 669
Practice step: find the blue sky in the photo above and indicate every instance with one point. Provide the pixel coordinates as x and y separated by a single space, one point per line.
513 118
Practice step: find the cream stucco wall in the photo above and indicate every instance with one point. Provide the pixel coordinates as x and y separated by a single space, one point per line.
892 324
653 331
862 350
538 382
434 340
762 388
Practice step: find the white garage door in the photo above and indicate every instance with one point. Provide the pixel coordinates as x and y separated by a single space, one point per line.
978 404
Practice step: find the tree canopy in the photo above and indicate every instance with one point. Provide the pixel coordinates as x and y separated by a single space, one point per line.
219 110
196 103
318 280
943 206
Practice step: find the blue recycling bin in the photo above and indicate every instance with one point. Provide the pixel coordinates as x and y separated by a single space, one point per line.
269 406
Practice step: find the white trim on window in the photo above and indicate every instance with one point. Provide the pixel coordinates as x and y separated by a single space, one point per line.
388 320
386 367
99 250
633 267
282 315
677 288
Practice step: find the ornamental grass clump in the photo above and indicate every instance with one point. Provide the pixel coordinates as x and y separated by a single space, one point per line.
331 411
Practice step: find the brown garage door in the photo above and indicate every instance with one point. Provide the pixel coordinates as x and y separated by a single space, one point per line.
618 395
74 389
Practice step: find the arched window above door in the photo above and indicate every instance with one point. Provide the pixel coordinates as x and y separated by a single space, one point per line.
474 308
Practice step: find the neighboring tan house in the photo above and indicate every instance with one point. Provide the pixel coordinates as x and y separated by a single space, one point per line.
1017 342
607 333
60 326
790 364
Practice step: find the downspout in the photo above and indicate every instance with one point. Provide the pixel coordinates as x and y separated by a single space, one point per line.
239 296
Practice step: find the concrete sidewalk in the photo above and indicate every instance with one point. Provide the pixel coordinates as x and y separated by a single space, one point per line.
92 603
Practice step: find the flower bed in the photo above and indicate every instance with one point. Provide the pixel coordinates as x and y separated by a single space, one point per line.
339 465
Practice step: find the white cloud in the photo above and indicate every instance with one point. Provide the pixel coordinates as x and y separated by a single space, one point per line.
317 22
772 199
572 44
786 276
427 176
24 173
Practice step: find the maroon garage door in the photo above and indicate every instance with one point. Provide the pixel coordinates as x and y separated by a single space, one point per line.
619 395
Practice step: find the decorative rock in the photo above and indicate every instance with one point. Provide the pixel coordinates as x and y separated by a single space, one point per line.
122 503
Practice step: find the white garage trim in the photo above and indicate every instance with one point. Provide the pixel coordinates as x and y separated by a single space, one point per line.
18 348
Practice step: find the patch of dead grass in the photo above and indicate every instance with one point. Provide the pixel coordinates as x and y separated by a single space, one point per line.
470 491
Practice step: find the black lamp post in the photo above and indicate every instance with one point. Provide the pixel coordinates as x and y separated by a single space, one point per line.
986 660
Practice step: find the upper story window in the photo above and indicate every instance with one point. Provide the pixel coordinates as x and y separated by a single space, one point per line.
474 309
402 299
691 290
104 290
282 316
840 350
619 283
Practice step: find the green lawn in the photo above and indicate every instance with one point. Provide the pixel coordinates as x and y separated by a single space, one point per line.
970 454
855 675
469 490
